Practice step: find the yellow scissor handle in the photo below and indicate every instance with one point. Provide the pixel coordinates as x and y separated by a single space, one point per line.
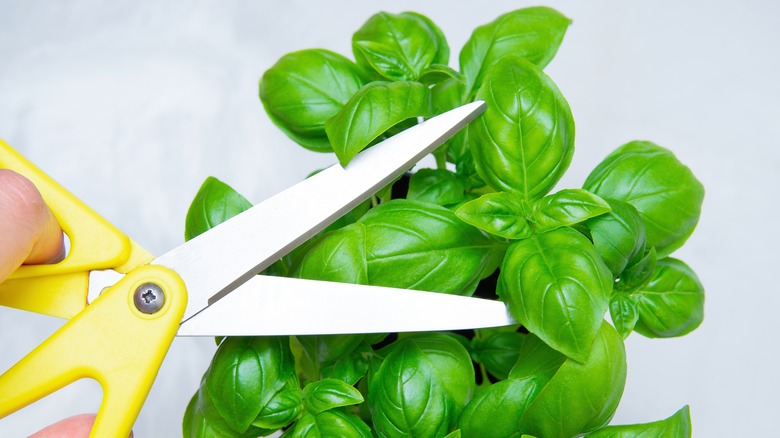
61 289
110 341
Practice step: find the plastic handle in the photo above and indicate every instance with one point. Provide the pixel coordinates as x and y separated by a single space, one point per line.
112 342
61 289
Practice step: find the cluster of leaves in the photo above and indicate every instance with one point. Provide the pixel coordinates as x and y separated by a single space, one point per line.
559 260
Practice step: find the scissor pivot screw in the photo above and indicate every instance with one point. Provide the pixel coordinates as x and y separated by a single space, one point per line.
149 298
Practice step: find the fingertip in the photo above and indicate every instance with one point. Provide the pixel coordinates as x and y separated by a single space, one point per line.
74 427
79 426
29 231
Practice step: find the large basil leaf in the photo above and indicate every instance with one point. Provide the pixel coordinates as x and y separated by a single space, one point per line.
672 303
214 203
332 423
619 236
306 88
532 33
438 73
201 420
373 110
524 141
556 286
421 386
537 363
339 255
399 47
496 412
422 246
497 352
501 214
350 367
566 208
664 191
440 40
283 408
676 426
244 375
580 397
436 186
447 95
318 352
327 394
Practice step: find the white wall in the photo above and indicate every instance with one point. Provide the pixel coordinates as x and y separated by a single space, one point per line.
132 104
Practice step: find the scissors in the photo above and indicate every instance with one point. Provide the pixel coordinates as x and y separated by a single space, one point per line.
124 306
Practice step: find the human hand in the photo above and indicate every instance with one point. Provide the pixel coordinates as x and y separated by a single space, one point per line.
30 234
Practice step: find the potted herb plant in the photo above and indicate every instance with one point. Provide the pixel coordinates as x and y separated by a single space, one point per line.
486 218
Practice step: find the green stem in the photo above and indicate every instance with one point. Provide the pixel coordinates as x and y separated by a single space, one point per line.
441 158
485 378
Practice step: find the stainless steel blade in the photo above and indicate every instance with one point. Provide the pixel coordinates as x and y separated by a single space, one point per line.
268 305
216 262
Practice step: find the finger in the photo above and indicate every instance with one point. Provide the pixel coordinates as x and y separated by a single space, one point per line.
29 232
73 427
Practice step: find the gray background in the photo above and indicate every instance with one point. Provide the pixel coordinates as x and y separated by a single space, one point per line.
132 104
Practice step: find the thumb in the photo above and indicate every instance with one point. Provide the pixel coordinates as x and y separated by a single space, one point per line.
29 232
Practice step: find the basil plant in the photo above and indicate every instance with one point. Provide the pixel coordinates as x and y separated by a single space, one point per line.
486 220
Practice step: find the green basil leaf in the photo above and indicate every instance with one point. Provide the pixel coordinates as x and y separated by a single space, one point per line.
556 286
676 426
339 255
306 88
623 310
501 214
537 363
498 352
580 397
447 94
398 47
459 153
532 33
496 412
332 423
664 191
373 110
214 203
350 217
525 137
619 236
201 420
283 408
566 208
440 40
320 351
244 375
672 303
436 74
327 394
436 186
349 367
421 386
422 246
454 434
638 274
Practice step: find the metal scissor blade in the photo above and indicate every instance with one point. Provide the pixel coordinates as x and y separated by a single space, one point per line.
267 305
217 261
